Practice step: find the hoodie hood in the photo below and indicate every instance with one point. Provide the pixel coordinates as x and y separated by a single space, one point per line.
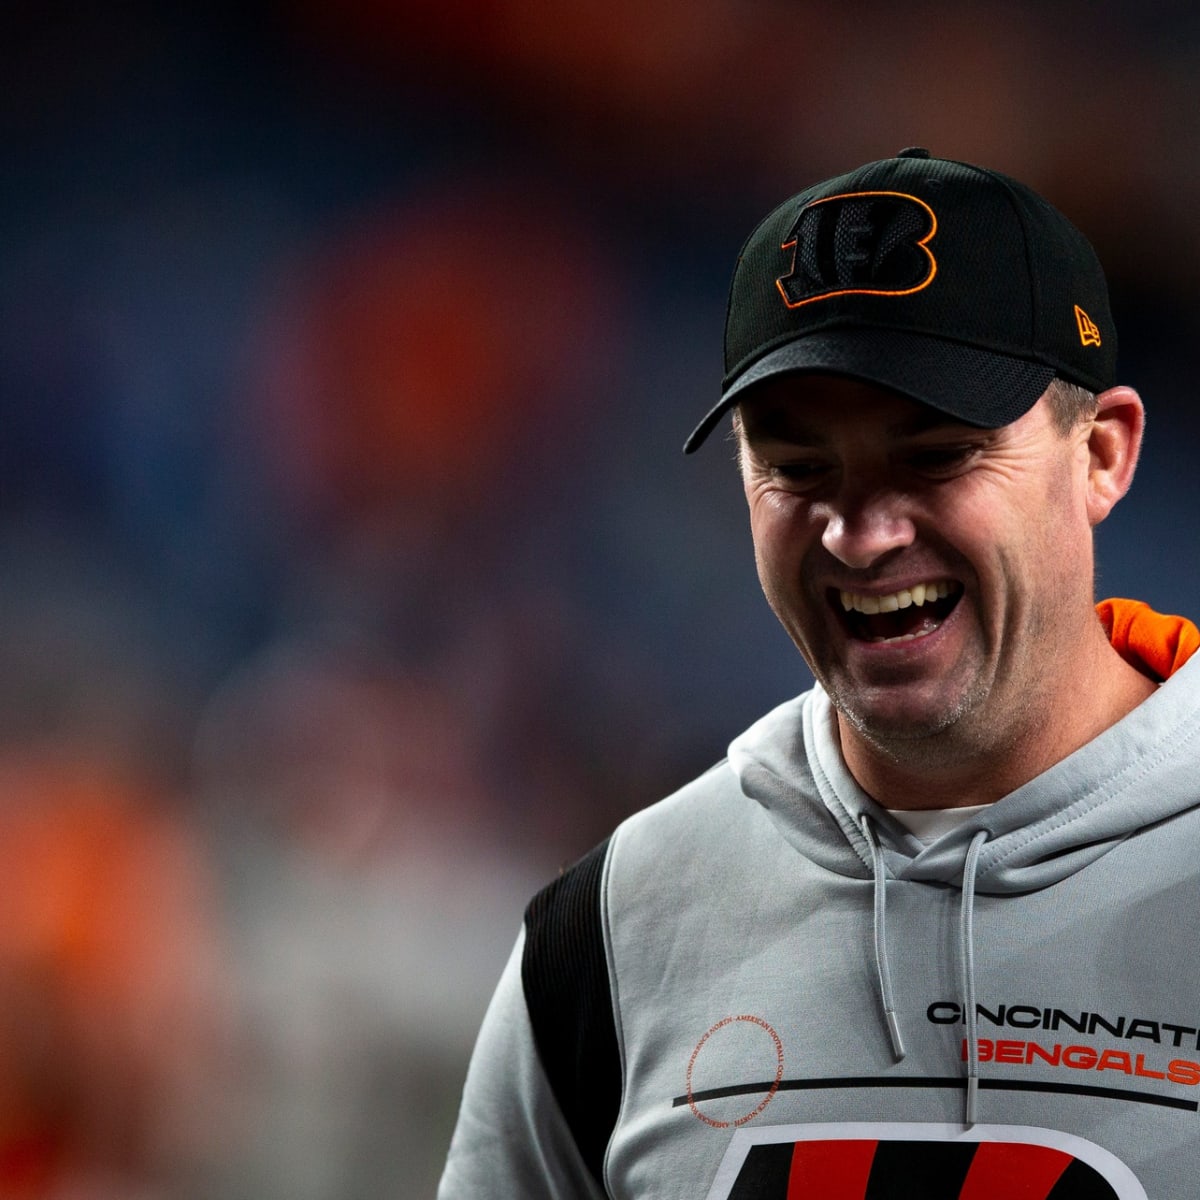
790 762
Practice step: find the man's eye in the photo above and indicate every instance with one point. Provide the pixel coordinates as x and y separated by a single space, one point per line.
941 459
798 472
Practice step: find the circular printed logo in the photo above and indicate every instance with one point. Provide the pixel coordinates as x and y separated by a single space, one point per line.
756 1048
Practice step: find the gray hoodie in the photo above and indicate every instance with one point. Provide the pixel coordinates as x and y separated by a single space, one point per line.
765 988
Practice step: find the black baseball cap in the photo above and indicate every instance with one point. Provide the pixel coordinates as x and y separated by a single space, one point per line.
946 282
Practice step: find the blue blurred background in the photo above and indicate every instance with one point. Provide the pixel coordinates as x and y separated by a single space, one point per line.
351 576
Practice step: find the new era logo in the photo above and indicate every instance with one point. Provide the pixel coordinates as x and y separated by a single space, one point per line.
1089 335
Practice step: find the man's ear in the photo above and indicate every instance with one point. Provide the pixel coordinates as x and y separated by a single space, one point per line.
1114 441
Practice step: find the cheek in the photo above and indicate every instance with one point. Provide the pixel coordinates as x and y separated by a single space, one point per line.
1040 549
780 549
778 534
771 570
1059 518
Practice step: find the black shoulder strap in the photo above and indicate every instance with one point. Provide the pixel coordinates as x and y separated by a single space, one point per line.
564 972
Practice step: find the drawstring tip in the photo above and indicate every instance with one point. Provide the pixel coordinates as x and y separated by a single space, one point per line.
894 1030
972 1114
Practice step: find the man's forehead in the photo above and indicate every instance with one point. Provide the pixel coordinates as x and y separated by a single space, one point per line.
806 409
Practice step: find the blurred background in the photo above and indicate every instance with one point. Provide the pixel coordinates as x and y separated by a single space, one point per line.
351 578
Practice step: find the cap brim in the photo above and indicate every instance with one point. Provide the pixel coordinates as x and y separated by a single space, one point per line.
976 386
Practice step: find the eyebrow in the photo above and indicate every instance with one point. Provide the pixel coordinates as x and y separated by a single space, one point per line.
778 425
927 421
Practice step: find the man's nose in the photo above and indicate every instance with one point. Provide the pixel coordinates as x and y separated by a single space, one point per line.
861 533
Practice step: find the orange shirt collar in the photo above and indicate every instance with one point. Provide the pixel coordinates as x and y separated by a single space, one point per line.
1151 641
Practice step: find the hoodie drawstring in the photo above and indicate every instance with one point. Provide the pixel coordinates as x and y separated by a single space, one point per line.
966 957
967 963
879 870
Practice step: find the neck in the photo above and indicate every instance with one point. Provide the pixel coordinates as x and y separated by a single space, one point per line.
961 766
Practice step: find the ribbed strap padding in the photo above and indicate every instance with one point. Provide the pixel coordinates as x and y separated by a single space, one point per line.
564 972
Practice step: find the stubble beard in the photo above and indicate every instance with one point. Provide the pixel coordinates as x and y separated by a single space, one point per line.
941 736
988 721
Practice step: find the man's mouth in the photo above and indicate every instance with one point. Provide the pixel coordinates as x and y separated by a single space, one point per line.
902 616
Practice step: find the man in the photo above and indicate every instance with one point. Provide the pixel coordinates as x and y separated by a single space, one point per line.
924 932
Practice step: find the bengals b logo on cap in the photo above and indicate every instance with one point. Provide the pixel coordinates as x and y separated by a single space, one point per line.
863 243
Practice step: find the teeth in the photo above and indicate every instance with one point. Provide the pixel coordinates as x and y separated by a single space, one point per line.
918 594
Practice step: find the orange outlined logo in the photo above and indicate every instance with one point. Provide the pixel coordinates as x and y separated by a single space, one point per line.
859 243
1089 335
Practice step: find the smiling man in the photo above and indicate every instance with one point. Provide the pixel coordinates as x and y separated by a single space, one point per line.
919 933
937 577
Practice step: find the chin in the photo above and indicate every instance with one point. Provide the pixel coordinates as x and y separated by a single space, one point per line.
897 721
